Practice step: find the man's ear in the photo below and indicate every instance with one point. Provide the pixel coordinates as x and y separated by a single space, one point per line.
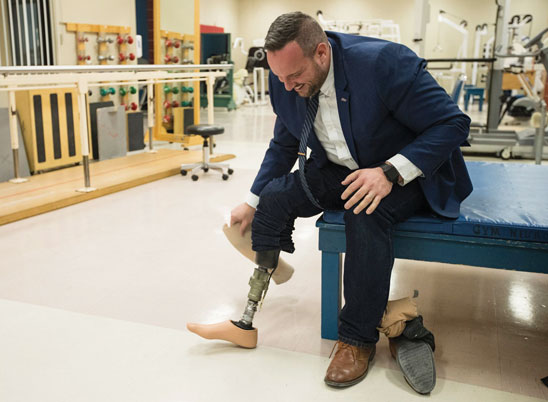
322 51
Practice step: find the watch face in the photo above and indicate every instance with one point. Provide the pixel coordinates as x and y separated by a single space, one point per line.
390 172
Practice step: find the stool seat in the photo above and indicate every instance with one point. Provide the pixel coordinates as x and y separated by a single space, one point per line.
205 130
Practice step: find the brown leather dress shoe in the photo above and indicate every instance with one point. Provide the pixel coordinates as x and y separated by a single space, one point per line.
349 365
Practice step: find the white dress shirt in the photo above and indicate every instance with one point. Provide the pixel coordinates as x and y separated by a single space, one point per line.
328 129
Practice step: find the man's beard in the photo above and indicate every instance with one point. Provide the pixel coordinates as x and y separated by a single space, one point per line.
315 85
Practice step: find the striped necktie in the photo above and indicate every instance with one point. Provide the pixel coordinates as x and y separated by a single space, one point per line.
307 128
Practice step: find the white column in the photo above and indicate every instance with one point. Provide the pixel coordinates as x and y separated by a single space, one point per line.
82 109
14 134
150 116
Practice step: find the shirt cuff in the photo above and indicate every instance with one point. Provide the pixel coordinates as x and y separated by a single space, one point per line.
253 200
407 170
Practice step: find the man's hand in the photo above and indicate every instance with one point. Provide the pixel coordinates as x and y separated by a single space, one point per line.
369 187
243 214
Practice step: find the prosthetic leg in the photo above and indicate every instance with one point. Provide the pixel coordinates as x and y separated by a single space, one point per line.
242 332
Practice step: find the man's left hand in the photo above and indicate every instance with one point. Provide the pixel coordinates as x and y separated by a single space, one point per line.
369 187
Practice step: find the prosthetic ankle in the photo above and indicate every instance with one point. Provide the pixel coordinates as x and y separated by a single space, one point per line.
267 262
242 332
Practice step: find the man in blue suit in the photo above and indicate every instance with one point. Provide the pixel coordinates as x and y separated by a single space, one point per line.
384 140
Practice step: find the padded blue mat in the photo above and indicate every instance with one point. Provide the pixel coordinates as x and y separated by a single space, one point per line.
509 201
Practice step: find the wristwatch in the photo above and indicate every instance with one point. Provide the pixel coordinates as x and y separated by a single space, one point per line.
390 172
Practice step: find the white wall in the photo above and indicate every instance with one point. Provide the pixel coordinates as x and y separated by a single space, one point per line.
177 16
226 14
256 16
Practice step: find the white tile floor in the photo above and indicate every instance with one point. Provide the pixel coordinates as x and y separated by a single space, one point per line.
94 299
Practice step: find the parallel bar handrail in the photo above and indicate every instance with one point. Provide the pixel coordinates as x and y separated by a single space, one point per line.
46 80
82 77
117 68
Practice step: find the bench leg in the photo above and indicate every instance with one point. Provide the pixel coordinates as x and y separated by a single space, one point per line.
331 293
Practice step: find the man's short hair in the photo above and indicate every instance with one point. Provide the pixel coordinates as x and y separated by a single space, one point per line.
295 26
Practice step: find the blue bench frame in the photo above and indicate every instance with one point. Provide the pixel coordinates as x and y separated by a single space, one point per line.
455 249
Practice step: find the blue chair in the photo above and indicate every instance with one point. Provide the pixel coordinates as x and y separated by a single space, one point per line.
475 93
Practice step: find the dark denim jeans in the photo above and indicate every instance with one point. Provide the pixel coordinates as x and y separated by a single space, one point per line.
369 249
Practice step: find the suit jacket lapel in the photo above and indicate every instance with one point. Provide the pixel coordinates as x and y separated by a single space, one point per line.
343 99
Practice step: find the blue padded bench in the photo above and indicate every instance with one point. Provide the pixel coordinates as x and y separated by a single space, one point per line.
503 224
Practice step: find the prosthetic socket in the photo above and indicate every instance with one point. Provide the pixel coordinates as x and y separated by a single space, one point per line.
267 262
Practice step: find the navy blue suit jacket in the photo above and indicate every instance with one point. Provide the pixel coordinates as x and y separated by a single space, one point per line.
388 103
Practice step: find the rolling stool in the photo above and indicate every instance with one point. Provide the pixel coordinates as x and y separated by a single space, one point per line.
205 131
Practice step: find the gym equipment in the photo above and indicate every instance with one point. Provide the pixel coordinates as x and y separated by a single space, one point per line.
376 28
206 131
123 57
107 91
51 127
104 58
256 57
132 106
488 138
111 133
17 79
217 49
135 131
92 121
6 153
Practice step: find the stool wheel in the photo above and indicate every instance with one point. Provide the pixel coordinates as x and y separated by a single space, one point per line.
183 172
506 154
205 169
194 177
230 171
225 177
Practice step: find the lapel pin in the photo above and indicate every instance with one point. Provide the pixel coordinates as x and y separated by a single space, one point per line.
343 99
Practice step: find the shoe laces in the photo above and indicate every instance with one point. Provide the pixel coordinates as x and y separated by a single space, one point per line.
340 345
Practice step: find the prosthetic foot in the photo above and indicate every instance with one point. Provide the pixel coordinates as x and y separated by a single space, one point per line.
226 331
242 332
283 272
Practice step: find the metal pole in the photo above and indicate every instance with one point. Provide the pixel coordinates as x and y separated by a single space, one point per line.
50 13
82 92
495 81
150 116
539 138
26 28
122 68
263 100
14 134
47 26
210 100
13 63
21 62
41 41
33 33
255 86
4 25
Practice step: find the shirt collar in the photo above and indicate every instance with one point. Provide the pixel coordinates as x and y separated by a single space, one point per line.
328 87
